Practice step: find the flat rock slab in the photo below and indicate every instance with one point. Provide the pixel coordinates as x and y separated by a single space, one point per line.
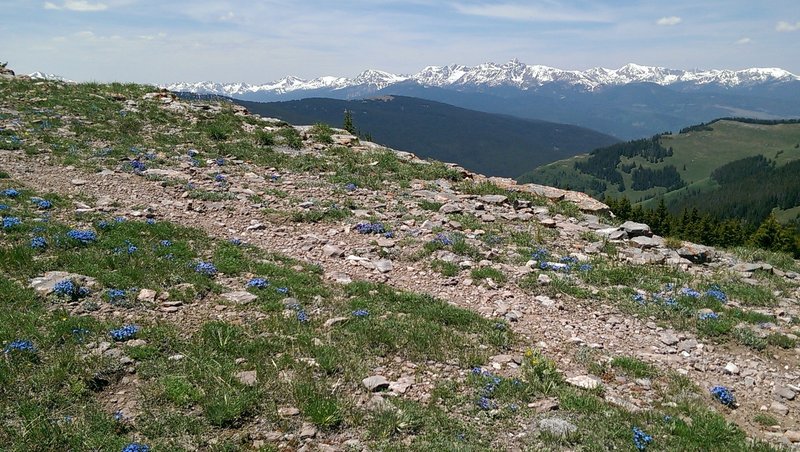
585 381
240 297
375 383
635 229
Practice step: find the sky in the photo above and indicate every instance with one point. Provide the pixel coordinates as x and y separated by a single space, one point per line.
257 41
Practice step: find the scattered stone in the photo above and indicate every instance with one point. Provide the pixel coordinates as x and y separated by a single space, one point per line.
288 411
779 408
44 285
493 199
332 251
308 430
585 381
731 369
78 182
668 338
147 296
384 266
247 378
375 383
792 435
785 393
634 229
239 297
544 405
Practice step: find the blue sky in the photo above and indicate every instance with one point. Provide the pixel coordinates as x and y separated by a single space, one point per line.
260 41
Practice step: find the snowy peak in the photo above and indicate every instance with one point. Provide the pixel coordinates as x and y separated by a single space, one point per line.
512 74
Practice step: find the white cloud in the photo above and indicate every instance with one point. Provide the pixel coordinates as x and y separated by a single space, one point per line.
531 13
228 16
744 41
77 5
786 26
669 21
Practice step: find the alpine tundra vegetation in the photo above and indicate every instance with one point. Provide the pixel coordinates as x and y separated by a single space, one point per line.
201 278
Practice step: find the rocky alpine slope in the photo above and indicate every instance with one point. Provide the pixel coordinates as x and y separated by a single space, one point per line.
573 286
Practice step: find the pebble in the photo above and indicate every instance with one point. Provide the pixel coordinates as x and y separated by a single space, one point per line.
375 383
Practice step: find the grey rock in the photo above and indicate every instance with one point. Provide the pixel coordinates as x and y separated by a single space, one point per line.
288 411
44 285
375 383
384 265
687 345
332 251
779 408
239 297
634 229
697 254
785 393
645 242
493 199
584 381
668 338
147 296
451 208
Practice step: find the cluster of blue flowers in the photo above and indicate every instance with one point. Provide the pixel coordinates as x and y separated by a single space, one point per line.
136 447
4 207
150 221
490 384
565 264
10 222
84 236
42 203
370 228
301 315
220 177
235 241
10 193
129 248
442 239
165 243
38 243
282 290
723 395
115 295
351 187
540 254
124 333
641 439
689 292
715 292
360 313
21 345
68 288
205 268
220 161
79 333
258 283
138 166
486 404
708 316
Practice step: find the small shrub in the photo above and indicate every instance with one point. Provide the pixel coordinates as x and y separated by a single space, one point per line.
322 133
445 268
780 340
264 138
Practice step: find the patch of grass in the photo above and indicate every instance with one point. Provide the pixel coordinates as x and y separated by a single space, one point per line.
448 269
748 294
213 196
430 205
780 340
765 420
322 133
479 274
634 367
747 337
567 208
291 137
332 212
264 138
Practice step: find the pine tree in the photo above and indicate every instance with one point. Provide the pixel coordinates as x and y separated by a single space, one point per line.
348 122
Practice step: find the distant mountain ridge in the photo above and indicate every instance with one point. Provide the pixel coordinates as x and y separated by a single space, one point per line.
512 74
630 102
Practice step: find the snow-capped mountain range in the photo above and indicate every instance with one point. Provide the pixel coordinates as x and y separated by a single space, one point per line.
512 74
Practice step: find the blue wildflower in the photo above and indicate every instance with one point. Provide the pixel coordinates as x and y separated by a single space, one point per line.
708 316
21 345
124 333
715 292
10 192
370 228
205 268
150 221
220 178
4 207
540 254
282 290
258 283
302 317
115 295
585 267
118 416
689 292
485 403
68 288
389 235
723 395
103 224
192 153
442 239
639 298
165 243
83 236
350 187
641 439
38 243
119 219
234 241
136 447
220 161
138 166
10 222
360 313
44 204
